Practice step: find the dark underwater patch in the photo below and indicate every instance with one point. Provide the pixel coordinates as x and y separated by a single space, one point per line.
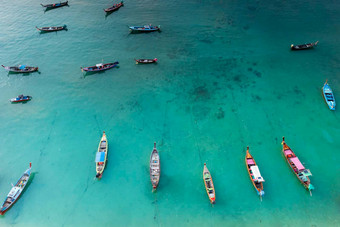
220 113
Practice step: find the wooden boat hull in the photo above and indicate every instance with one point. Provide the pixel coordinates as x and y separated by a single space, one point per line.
25 99
98 69
55 5
52 29
144 29
209 185
155 167
146 61
258 186
288 154
328 96
303 46
103 147
16 69
15 192
114 7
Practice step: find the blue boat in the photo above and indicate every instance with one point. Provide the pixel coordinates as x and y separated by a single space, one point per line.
16 191
328 95
21 98
100 67
145 28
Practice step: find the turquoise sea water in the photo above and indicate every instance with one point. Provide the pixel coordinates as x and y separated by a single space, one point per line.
226 79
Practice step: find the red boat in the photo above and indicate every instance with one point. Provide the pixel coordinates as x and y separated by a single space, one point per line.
114 7
299 170
21 98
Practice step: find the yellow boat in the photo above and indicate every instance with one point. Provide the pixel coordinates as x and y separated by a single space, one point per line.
209 184
101 156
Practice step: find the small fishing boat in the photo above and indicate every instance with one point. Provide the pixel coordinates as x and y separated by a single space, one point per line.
209 185
52 29
20 69
303 46
299 170
21 98
100 67
114 7
328 95
55 5
254 173
155 167
146 61
16 191
145 28
101 156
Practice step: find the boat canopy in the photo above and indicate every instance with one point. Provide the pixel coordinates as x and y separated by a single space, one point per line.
250 162
100 156
22 66
99 65
257 174
13 192
287 152
297 163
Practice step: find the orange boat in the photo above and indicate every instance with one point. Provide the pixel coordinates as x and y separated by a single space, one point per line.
209 184
299 170
254 173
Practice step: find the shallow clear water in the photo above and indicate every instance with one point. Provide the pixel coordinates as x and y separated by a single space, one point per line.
225 79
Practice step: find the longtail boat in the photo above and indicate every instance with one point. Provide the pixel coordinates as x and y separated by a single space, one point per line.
55 5
328 95
16 191
146 61
254 173
155 167
303 46
21 98
114 7
20 69
52 29
298 169
101 156
100 67
209 184
145 28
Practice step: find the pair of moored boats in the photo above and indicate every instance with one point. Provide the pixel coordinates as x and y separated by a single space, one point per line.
16 191
293 161
101 159
102 67
255 176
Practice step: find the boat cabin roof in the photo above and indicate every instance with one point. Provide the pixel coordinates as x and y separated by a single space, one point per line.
100 156
13 191
257 175
99 65
250 162
287 152
297 163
